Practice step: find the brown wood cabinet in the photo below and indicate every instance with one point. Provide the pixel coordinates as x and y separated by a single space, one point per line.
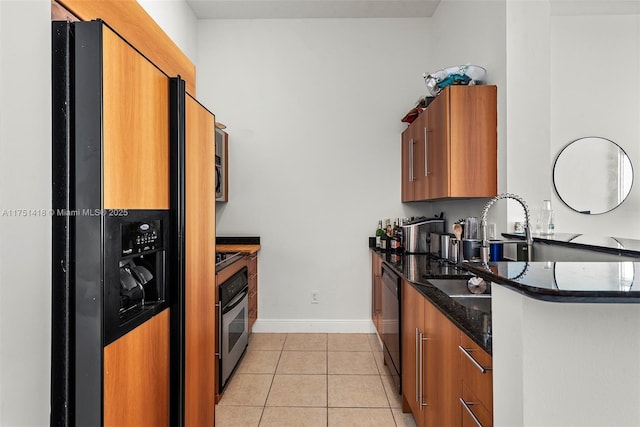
412 313
446 377
130 19
431 364
415 179
200 280
450 150
408 186
252 267
376 291
476 400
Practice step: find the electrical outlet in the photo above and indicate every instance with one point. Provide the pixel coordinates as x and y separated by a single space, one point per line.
314 297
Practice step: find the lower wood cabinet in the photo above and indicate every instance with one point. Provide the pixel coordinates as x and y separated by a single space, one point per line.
476 399
431 362
376 291
446 376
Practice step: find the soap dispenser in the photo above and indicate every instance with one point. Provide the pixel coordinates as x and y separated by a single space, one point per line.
547 226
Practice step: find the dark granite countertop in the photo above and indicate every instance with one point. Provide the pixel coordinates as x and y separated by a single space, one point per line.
573 282
566 282
611 245
418 269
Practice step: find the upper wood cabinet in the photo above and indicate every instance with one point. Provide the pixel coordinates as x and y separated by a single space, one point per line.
450 150
200 279
135 128
130 20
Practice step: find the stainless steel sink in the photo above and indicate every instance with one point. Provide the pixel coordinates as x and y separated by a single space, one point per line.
479 302
458 288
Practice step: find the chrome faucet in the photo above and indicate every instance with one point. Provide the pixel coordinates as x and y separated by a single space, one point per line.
484 246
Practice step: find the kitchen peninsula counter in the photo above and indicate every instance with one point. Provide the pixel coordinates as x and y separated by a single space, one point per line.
566 282
598 246
573 357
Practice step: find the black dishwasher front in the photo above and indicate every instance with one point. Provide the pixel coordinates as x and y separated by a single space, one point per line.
391 286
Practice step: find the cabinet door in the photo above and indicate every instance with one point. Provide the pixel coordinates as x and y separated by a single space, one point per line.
200 332
407 165
376 291
421 177
411 324
135 129
477 372
438 146
473 139
441 369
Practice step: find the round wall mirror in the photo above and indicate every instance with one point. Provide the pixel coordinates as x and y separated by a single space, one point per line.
592 175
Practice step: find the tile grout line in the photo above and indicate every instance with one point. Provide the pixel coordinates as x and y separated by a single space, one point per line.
327 377
273 378
371 351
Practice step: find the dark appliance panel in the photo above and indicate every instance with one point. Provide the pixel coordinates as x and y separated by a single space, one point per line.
391 329
233 324
135 269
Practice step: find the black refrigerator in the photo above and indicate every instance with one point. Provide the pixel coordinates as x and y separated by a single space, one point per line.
118 232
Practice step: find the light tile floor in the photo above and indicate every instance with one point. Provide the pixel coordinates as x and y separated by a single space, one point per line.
300 380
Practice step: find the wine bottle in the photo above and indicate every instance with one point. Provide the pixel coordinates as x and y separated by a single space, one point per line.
394 237
379 234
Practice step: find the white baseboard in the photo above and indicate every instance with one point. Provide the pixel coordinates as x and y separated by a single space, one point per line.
314 325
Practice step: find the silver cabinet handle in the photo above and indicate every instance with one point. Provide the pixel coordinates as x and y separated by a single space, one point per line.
219 331
465 405
411 171
417 365
420 370
420 401
376 279
467 353
426 150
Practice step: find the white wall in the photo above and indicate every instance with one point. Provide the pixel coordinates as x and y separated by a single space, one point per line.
177 20
313 110
528 93
564 82
25 171
595 91
473 32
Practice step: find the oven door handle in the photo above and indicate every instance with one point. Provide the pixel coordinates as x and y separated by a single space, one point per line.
235 301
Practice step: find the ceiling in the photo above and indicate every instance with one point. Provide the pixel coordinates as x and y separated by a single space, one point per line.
594 7
278 9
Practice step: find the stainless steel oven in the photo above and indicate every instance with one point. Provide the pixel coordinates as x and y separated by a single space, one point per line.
391 323
234 323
